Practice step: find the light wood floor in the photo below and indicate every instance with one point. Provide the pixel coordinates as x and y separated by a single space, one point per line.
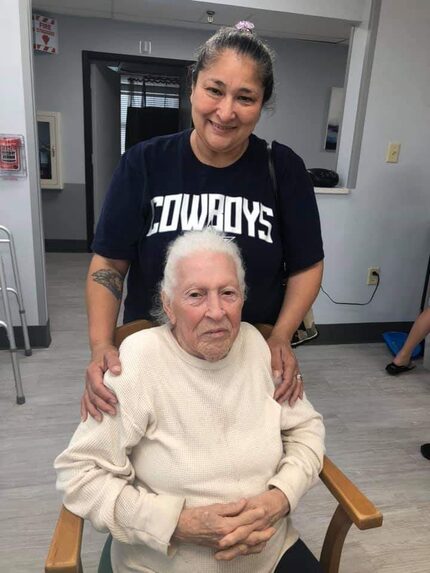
375 425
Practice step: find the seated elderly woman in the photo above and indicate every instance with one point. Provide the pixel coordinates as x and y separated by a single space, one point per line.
201 467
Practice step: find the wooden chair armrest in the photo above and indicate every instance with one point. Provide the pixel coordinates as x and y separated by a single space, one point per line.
353 507
64 554
359 509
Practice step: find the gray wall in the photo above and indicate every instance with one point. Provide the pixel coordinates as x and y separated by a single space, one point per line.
64 215
305 72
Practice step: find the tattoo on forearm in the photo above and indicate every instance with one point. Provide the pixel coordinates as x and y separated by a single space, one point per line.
110 279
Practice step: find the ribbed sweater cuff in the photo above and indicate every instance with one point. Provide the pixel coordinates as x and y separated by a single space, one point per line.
291 483
155 524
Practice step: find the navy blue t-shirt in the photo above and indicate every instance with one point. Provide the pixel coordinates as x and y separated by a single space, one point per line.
161 189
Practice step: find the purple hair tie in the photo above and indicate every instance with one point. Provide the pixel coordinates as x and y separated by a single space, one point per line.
245 26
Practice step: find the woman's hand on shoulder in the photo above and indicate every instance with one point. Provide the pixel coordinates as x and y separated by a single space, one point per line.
285 369
98 399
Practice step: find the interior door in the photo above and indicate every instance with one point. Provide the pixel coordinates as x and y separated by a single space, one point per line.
105 104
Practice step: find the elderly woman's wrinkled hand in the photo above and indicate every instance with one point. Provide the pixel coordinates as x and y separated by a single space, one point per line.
210 524
254 543
97 398
275 505
285 370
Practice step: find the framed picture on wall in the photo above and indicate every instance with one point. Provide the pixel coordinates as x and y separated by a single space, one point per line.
334 118
49 140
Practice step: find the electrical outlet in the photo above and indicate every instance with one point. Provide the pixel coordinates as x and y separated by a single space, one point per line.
145 47
372 279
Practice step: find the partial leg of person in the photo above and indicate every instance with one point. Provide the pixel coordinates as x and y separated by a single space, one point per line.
419 331
298 559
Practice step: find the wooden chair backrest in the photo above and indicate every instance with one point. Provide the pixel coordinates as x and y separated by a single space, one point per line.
125 330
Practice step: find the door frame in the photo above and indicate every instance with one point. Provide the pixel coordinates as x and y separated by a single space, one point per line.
152 65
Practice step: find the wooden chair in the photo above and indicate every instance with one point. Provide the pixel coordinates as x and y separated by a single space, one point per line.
353 506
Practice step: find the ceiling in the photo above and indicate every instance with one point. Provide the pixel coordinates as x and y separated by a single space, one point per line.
190 14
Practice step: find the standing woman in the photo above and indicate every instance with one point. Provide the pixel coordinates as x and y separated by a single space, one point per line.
214 174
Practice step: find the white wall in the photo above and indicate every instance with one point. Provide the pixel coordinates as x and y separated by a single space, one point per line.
340 9
385 221
20 198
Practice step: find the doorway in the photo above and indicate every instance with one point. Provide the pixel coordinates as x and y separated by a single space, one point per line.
127 99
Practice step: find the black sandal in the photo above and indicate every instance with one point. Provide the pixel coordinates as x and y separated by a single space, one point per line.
425 450
395 370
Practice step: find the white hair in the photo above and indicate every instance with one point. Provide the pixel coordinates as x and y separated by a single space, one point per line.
188 244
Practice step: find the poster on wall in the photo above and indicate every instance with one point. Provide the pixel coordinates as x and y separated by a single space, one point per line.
334 118
45 34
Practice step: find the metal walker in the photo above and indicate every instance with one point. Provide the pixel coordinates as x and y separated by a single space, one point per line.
8 324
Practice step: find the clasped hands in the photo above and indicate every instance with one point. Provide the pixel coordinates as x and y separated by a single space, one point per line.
236 528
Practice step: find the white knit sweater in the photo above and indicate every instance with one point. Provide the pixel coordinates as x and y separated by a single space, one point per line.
188 433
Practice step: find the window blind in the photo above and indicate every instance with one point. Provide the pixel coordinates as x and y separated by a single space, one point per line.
146 91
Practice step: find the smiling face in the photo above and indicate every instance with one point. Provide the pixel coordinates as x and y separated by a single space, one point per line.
206 305
226 100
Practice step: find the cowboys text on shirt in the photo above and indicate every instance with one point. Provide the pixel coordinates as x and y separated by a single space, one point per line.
186 212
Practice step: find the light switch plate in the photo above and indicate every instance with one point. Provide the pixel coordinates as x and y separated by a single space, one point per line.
393 151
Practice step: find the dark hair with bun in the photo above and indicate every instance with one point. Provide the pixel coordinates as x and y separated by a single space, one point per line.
244 42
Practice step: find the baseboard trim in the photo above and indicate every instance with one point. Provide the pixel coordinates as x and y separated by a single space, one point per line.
356 333
65 246
40 336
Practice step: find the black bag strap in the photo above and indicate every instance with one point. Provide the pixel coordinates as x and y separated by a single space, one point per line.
272 171
274 181
311 331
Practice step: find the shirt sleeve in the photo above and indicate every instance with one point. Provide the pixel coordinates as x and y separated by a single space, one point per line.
300 222
303 442
125 211
97 477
